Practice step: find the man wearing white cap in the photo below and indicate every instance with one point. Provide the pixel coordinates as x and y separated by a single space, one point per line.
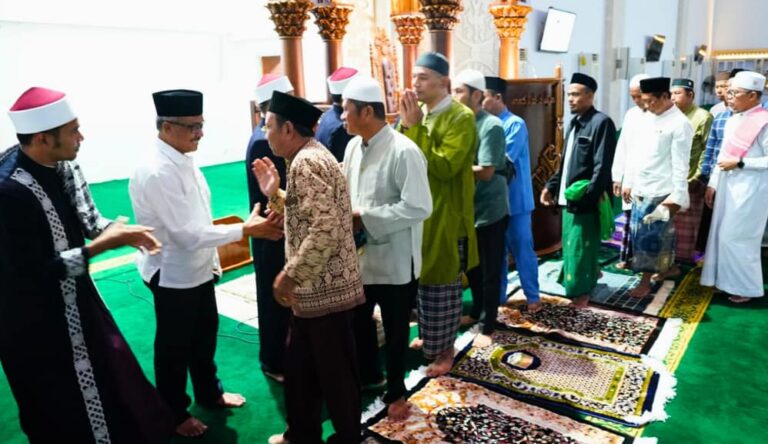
268 255
330 130
634 135
387 177
71 371
491 203
738 186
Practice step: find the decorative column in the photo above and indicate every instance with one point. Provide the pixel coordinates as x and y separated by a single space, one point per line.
332 19
441 17
509 17
289 17
409 24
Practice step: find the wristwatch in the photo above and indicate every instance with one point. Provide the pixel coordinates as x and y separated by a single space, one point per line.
741 163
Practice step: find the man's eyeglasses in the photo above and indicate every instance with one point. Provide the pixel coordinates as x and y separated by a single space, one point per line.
736 92
193 127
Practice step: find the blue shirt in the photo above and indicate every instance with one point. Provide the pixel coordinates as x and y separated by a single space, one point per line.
714 142
331 132
521 187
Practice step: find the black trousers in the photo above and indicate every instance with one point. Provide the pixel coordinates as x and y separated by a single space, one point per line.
185 341
268 261
706 222
485 279
320 365
395 303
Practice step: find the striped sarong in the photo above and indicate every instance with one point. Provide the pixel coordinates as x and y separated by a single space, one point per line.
653 244
687 226
439 308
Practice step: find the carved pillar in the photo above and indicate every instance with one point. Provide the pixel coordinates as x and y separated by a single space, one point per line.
332 19
289 17
441 16
509 18
409 30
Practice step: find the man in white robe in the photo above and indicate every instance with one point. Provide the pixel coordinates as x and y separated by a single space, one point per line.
388 185
635 130
737 189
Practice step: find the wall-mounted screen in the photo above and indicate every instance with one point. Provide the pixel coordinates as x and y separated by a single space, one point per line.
557 31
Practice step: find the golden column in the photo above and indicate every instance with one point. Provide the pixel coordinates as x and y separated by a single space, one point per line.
332 19
509 18
441 18
289 17
409 24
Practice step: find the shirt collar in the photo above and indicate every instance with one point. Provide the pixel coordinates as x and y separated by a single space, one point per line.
171 153
744 113
442 106
377 138
505 114
668 112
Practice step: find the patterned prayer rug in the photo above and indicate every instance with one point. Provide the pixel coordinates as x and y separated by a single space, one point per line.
626 389
612 289
446 409
607 329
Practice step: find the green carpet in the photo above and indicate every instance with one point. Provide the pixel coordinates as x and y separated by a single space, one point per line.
722 379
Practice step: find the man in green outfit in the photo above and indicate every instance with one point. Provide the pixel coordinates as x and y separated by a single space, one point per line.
587 155
444 130
687 222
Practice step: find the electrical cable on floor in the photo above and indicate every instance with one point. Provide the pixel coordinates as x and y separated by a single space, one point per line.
238 328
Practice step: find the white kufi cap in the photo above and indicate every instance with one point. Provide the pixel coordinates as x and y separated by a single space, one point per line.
749 80
364 89
471 77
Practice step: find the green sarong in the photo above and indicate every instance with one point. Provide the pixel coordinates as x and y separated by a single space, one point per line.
581 247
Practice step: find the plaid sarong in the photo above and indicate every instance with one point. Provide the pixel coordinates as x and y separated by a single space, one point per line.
687 227
653 244
439 308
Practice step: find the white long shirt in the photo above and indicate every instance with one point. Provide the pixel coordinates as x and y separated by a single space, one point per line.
168 192
739 218
662 167
389 187
636 131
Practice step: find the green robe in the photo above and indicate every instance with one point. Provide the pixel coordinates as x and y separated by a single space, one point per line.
448 141
701 121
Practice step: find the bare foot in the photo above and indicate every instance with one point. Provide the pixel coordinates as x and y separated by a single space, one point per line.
191 428
534 307
399 410
642 290
467 320
278 439
229 400
441 365
674 271
581 301
622 265
417 344
482 341
279 377
739 299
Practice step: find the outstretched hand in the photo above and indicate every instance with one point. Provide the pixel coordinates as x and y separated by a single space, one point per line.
270 227
118 234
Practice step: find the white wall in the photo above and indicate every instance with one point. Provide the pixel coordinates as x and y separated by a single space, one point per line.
109 57
740 24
